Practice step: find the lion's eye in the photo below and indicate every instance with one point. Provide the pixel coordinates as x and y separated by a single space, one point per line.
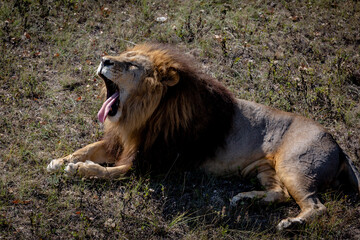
133 67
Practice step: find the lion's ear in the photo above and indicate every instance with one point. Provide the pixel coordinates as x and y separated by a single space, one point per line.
171 78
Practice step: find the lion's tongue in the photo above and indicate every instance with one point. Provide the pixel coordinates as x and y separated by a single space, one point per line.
106 107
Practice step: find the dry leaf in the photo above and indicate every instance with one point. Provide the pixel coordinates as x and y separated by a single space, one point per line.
295 18
27 35
105 11
18 201
218 38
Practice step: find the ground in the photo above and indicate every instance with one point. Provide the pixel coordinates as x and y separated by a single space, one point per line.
297 56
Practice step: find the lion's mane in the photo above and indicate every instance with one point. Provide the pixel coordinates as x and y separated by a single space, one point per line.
189 122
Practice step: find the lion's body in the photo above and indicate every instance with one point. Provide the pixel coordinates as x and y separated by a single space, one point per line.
164 114
260 132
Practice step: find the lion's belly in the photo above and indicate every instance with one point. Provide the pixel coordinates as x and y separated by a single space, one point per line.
225 164
236 157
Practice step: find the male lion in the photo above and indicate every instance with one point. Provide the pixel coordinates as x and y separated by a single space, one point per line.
162 113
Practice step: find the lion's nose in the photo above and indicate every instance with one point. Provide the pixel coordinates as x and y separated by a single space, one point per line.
107 62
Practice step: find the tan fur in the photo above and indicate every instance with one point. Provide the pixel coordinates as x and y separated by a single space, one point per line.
289 154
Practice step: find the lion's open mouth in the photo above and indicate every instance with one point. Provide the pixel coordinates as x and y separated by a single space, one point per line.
111 105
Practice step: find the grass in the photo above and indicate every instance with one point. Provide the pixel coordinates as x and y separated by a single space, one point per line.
297 56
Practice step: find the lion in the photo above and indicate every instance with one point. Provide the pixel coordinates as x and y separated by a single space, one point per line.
162 113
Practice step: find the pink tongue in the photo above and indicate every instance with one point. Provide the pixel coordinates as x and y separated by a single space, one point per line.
106 107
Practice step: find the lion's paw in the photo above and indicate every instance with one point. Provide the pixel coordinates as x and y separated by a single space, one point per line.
55 165
289 223
246 195
73 168
234 200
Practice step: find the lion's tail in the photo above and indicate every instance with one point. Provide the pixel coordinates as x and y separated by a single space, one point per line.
348 172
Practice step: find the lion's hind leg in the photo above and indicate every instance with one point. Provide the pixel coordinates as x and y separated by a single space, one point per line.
310 207
306 167
303 190
274 189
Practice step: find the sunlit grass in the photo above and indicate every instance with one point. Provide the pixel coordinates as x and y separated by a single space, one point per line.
299 57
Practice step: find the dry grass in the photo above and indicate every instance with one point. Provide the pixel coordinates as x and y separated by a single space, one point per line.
299 57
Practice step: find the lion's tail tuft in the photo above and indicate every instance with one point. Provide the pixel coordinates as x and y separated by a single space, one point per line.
349 173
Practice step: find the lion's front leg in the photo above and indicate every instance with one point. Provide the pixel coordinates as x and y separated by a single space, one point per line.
94 152
90 169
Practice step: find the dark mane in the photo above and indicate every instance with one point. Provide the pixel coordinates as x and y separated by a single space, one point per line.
191 122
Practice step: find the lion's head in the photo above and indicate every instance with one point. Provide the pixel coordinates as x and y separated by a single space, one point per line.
157 98
133 74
